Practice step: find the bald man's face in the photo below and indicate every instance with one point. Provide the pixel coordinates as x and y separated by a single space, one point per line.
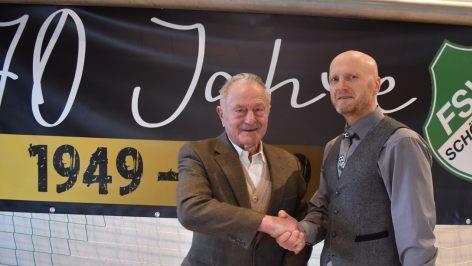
354 84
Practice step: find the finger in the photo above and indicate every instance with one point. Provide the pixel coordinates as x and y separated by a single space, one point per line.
283 238
303 237
299 247
283 214
300 228
293 240
294 236
300 244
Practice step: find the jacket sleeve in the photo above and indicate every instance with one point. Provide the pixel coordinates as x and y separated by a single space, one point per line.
199 211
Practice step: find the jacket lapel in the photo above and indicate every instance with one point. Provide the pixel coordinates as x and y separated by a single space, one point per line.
228 159
278 178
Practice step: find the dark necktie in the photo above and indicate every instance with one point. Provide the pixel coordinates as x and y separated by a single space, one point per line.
343 150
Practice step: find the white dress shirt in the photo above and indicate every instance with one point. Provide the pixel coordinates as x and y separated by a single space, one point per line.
256 167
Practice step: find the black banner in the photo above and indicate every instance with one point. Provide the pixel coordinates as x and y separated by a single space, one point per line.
104 85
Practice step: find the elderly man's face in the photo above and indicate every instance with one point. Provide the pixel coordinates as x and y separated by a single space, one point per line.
245 114
354 85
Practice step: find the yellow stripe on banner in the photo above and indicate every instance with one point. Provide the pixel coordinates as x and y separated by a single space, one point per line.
108 171
19 171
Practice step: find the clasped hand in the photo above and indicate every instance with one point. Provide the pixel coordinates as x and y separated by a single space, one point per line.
287 231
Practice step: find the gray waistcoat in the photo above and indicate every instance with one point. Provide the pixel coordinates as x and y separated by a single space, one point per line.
360 230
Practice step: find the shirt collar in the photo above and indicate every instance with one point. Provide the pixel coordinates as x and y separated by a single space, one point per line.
365 124
245 155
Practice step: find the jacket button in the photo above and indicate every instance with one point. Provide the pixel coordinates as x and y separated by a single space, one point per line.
336 211
333 234
337 193
255 198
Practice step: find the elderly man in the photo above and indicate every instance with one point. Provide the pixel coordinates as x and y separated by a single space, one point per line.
375 203
232 187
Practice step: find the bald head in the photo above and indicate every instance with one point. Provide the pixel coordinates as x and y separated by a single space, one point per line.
354 83
360 58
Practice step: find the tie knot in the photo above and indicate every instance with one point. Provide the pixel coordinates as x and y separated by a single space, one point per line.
348 134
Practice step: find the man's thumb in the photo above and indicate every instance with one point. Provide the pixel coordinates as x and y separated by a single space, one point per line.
283 214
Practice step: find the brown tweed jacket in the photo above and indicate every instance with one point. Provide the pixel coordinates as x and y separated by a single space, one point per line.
213 202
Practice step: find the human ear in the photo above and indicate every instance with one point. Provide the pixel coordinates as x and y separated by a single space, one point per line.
377 83
219 111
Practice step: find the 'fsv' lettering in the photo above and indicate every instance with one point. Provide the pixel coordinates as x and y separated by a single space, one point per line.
464 104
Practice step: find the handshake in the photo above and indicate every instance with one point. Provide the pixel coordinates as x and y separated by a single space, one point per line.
288 233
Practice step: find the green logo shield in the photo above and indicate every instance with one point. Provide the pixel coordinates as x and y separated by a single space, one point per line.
448 128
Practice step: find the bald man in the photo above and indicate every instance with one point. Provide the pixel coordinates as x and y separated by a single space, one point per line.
375 204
